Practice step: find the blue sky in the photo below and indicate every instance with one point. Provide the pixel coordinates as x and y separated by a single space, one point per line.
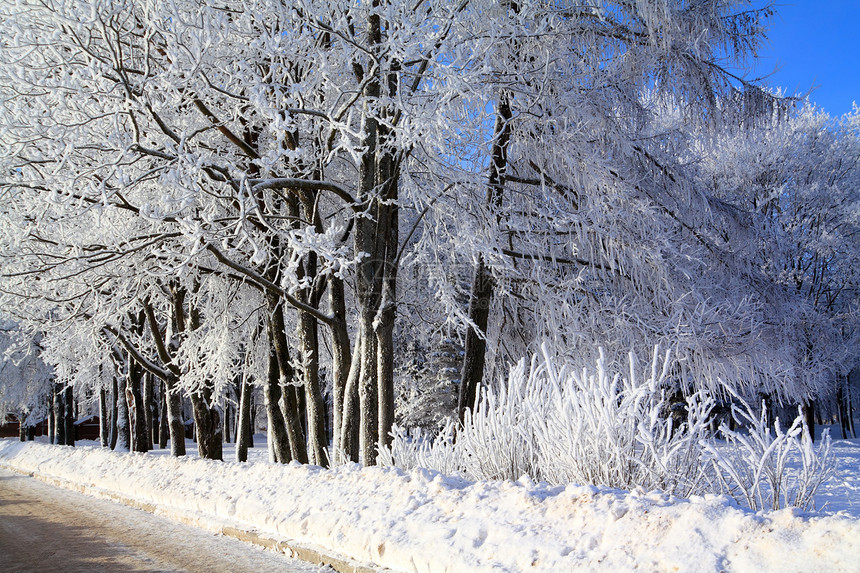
815 43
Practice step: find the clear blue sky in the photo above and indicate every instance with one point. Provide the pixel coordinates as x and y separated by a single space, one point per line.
815 43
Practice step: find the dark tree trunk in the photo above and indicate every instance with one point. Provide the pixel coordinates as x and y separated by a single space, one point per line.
482 284
207 424
291 408
288 396
225 423
123 441
308 335
376 241
385 377
350 417
808 410
69 403
368 402
163 427
278 436
207 418
137 407
59 416
52 422
175 423
474 356
849 412
150 411
279 443
849 383
243 424
342 422
389 178
843 408
172 398
314 404
104 421
114 414
252 421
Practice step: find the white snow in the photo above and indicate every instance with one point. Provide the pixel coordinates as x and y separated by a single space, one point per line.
424 521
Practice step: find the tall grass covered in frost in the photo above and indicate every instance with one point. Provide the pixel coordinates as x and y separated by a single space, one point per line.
590 425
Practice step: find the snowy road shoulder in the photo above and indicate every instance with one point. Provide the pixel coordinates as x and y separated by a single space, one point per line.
422 521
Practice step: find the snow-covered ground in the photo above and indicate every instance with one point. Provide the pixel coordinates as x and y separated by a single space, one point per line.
47 528
424 521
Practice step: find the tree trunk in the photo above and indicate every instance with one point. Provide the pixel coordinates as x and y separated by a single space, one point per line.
137 407
292 412
207 424
163 427
52 423
175 422
482 285
279 442
207 419
252 420
149 409
104 421
808 410
309 337
368 402
123 441
226 419
69 403
385 376
387 312
114 414
288 400
243 424
59 415
172 400
475 351
341 361
375 245
349 435
849 409
843 408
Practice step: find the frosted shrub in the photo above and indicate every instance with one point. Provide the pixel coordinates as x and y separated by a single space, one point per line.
602 428
767 470
592 426
567 425
413 449
497 439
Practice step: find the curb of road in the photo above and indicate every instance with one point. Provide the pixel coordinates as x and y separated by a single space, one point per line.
296 550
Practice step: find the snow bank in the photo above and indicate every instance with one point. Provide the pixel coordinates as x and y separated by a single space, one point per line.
424 521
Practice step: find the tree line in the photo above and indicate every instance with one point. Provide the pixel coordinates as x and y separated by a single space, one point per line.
302 197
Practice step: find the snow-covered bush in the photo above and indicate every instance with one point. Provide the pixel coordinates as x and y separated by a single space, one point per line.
609 429
566 425
765 470
411 449
591 425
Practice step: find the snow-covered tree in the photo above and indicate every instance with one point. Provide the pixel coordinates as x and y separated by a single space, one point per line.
25 380
796 181
572 203
205 188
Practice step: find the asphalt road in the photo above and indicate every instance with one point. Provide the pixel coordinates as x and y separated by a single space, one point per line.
49 529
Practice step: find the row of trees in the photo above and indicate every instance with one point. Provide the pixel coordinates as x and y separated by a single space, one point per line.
289 195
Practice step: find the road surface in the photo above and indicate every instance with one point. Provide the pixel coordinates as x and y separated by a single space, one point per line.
46 528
